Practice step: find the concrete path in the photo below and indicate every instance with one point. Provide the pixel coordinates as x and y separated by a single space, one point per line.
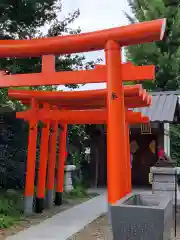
65 224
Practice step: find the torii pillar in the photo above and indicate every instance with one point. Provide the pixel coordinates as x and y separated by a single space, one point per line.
51 164
31 161
61 162
116 146
44 148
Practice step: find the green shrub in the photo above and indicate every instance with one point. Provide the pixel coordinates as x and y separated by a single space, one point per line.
78 192
6 221
175 143
10 208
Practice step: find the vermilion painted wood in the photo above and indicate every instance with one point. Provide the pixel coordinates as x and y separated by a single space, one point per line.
61 159
78 117
74 106
52 155
31 155
126 35
44 149
112 39
116 144
129 183
82 100
97 75
129 91
129 102
135 73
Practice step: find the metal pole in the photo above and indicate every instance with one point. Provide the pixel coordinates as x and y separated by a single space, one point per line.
175 209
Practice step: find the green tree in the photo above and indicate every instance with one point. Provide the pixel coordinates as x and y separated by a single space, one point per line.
175 143
164 54
25 19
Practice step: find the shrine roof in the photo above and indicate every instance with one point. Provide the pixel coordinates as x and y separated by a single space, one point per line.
165 107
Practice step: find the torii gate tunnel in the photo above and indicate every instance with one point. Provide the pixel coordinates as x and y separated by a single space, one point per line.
109 106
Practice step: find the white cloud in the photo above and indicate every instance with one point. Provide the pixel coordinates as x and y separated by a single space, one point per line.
97 15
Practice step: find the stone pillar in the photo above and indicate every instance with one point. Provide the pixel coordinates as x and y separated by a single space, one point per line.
163 180
68 187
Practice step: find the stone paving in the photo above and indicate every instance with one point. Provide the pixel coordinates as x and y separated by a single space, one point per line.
87 221
65 224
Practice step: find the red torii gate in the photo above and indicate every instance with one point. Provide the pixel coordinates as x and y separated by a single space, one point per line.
95 99
111 40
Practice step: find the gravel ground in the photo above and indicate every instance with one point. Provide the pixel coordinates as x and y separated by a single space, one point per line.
97 230
101 230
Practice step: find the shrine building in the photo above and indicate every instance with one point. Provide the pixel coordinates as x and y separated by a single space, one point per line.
145 139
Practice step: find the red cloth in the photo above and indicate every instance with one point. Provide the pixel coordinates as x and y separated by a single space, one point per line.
161 153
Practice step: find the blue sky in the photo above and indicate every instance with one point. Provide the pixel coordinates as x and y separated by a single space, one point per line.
97 15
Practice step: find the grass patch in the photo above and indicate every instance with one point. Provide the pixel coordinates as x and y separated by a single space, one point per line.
77 192
11 204
10 208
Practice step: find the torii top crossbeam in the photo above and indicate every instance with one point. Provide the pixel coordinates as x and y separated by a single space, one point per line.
126 35
135 96
48 103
